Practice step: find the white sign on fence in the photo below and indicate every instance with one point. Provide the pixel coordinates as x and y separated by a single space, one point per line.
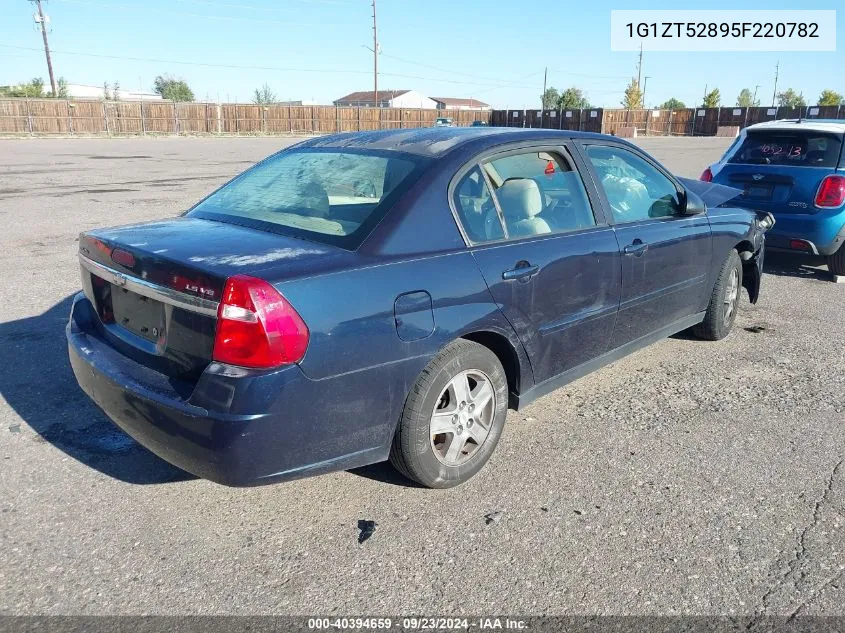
655 114
553 114
700 113
737 111
593 114
568 114
515 114
771 112
814 111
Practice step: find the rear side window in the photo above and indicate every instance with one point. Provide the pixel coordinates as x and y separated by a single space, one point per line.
476 208
333 197
533 193
797 149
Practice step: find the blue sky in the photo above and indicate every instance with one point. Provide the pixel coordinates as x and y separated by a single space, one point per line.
313 49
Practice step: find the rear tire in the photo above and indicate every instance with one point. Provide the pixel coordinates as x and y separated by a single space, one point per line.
453 417
724 301
836 262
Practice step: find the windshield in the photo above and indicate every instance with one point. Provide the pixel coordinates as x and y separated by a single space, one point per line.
795 149
327 196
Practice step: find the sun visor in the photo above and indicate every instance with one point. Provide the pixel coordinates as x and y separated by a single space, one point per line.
712 194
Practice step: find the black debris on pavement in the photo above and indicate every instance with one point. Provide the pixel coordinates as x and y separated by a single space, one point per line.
493 517
367 528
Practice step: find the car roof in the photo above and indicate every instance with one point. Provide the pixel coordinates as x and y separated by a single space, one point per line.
812 125
437 142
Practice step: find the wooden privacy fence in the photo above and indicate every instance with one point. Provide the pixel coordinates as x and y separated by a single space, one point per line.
33 117
69 117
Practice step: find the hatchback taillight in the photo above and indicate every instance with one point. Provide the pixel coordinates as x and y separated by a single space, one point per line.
831 192
706 175
257 327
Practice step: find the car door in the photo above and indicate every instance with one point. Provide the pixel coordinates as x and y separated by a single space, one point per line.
666 255
542 244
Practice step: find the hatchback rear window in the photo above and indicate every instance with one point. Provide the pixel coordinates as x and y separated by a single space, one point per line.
798 149
334 197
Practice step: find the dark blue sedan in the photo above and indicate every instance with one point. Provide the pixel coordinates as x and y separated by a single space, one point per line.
389 295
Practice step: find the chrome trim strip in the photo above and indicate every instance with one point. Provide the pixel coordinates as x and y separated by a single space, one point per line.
153 291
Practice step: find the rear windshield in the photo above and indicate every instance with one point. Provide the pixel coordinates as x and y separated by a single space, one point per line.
335 196
798 149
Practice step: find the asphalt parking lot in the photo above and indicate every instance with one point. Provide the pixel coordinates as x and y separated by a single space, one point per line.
689 478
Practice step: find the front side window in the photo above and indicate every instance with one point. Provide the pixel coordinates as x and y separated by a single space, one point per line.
537 193
635 189
327 196
794 149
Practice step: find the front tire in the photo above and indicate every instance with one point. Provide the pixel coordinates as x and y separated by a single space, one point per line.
453 417
836 262
724 301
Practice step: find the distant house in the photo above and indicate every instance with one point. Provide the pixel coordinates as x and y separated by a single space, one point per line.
451 103
388 99
81 91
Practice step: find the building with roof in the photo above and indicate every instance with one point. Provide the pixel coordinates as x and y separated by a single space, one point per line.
82 91
387 99
452 103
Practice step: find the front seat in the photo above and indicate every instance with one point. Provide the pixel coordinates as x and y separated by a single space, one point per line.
521 203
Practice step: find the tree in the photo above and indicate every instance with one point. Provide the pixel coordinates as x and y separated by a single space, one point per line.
672 104
633 99
791 99
746 99
573 99
63 93
264 95
172 88
33 89
550 98
830 98
712 99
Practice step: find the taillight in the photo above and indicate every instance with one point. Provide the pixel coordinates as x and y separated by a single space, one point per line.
706 175
122 257
831 192
257 327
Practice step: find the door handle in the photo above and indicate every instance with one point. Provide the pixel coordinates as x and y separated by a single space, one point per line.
523 270
637 248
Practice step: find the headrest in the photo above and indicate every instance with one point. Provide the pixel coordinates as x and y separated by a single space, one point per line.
520 198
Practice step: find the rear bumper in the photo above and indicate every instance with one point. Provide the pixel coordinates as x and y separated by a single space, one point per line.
238 427
824 231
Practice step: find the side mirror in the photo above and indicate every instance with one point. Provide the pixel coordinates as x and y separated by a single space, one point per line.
693 204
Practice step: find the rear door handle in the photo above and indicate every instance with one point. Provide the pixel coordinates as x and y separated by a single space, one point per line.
523 270
637 248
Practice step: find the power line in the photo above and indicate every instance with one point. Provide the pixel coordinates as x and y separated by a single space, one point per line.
252 67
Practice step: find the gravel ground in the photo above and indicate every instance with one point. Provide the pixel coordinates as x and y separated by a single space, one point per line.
689 478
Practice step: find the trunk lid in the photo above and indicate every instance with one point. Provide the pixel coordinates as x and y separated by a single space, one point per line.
775 188
156 286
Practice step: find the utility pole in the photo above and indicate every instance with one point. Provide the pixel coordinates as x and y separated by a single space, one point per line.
775 93
543 96
754 98
375 57
42 20
640 68
645 83
704 100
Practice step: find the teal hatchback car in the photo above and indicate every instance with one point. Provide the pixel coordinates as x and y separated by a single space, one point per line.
794 169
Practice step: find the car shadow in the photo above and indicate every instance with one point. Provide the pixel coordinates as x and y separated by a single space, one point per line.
788 265
384 473
38 383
